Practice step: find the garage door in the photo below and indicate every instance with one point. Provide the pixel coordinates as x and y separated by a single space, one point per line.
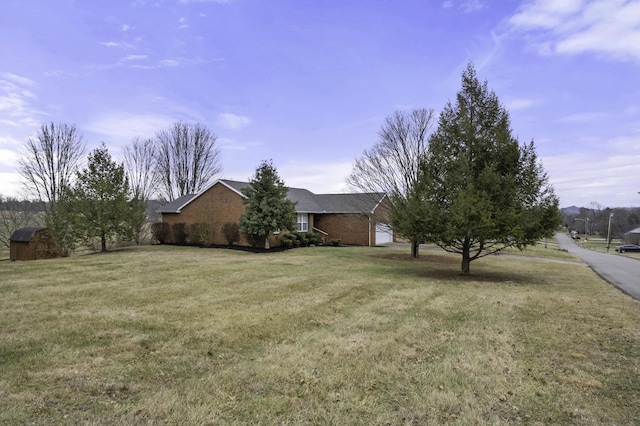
384 234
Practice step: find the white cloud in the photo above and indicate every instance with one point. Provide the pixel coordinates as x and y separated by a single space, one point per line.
320 178
8 157
134 57
165 63
206 1
471 6
169 63
608 27
232 121
10 185
19 119
597 175
15 101
114 44
16 79
227 144
120 128
466 6
585 117
518 104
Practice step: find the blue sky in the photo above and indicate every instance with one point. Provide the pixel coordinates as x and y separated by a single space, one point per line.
309 83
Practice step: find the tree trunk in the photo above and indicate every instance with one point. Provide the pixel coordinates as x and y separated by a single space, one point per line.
103 241
466 261
266 242
415 249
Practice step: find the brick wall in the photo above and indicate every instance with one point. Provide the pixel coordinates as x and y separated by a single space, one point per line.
348 228
215 207
219 205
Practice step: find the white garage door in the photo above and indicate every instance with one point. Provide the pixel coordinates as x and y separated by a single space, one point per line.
383 234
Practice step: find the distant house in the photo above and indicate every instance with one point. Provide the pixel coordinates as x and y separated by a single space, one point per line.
355 219
32 243
633 236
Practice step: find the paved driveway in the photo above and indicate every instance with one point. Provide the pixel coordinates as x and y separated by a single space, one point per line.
621 271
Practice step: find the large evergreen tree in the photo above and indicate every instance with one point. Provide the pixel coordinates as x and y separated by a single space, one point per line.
101 198
485 192
268 208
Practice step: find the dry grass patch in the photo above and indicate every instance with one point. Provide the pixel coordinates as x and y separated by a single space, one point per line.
313 336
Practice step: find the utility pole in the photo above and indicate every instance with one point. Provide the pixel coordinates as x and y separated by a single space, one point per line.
609 232
586 226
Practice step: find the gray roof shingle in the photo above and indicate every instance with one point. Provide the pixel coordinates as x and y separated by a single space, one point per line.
306 201
176 205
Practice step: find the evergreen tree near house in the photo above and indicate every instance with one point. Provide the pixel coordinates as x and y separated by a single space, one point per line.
267 207
483 191
101 199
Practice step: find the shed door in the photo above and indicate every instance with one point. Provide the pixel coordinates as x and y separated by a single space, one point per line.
384 234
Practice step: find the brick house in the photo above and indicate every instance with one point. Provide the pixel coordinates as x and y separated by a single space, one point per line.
354 219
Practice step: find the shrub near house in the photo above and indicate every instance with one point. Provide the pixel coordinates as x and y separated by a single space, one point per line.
350 218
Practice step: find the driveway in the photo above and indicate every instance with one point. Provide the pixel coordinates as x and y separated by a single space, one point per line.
621 271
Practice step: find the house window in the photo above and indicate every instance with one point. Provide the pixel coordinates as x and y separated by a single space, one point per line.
303 222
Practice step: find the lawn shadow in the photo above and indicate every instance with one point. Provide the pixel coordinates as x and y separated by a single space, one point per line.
448 268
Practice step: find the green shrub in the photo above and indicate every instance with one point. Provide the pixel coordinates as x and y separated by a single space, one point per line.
160 231
288 239
231 232
200 233
308 238
179 233
300 239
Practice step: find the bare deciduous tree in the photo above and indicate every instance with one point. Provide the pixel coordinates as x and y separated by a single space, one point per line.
187 158
16 214
392 166
139 164
51 161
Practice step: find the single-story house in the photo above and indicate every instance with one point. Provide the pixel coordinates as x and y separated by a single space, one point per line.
354 219
32 243
633 236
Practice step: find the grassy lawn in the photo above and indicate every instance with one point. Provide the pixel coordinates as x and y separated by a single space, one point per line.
322 335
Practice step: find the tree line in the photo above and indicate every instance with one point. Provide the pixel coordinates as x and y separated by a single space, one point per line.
468 185
105 199
595 220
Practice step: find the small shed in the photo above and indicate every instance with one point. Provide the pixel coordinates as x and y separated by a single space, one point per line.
33 243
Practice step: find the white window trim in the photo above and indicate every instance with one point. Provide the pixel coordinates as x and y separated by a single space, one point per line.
302 219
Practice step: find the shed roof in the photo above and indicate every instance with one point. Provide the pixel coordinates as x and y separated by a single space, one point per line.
306 201
24 235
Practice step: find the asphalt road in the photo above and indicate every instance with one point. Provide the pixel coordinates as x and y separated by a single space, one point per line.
623 272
